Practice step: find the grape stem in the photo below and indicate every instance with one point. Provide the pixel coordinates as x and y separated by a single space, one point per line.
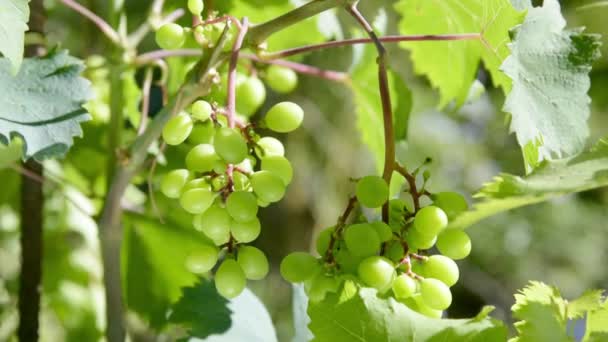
385 96
337 234
97 20
413 188
300 68
234 58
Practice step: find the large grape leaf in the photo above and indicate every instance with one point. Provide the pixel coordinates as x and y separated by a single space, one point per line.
549 67
597 324
202 310
43 104
451 66
369 105
360 315
14 15
550 179
154 264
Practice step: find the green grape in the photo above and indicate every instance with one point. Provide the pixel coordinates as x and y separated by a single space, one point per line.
202 260
404 286
454 243
215 224
280 79
362 240
196 201
270 146
196 6
429 221
262 204
253 262
323 239
348 262
416 240
242 206
298 267
372 191
198 183
220 167
170 36
395 251
279 166
241 181
397 210
441 268
177 129
230 279
230 145
201 110
245 232
435 294
267 186
377 272
383 230
251 94
201 158
246 165
452 203
173 182
424 309
284 117
202 133
318 287
219 182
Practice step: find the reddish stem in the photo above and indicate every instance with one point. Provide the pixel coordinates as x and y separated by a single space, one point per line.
329 254
98 21
302 68
234 58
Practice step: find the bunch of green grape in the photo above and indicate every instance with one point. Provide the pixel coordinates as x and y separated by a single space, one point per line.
390 257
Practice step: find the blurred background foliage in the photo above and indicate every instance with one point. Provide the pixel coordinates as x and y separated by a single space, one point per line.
562 242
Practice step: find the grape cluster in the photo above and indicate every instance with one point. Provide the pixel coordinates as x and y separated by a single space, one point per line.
391 257
230 170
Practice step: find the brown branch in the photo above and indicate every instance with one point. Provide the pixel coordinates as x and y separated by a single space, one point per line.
336 235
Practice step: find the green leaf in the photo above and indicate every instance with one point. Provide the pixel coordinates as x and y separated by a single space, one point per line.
451 66
10 153
550 68
597 324
250 321
541 312
360 315
14 15
369 105
550 179
591 300
43 104
154 263
202 310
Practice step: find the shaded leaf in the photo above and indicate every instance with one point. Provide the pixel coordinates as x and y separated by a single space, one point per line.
43 104
591 300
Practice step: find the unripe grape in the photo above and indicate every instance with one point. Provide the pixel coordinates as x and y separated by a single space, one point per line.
267 186
372 191
246 165
395 251
177 129
383 230
201 110
424 309
270 147
170 36
196 6
416 240
215 224
454 243
322 243
202 158
320 285
429 221
202 260
435 294
298 267
242 206
397 209
253 262
452 203
251 94
173 182
196 201
220 167
198 183
241 181
230 279
441 268
362 240
202 133
404 286
284 117
245 232
280 79
348 262
219 182
377 272
279 166
230 145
